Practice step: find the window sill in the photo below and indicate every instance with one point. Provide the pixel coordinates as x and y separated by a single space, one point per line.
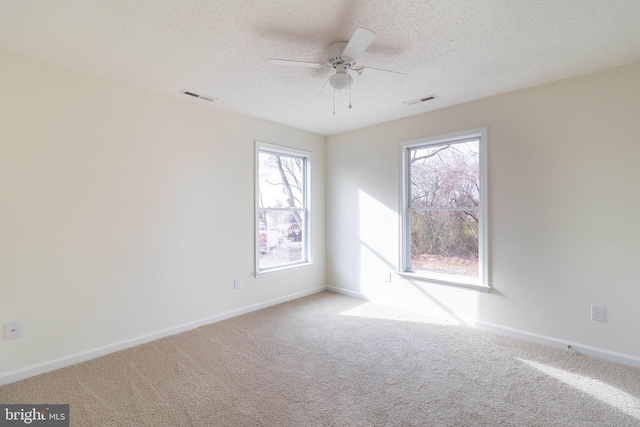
438 279
276 270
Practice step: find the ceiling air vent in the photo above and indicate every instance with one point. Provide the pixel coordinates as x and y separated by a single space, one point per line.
199 95
420 100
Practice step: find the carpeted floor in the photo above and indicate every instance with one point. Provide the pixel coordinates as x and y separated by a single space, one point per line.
330 360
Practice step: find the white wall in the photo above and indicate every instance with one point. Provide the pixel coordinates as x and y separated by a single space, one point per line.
125 212
564 206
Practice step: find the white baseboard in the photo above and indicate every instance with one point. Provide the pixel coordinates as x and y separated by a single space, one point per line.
62 362
598 353
587 350
348 292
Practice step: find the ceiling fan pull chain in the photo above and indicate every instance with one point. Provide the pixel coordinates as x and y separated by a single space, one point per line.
334 102
349 91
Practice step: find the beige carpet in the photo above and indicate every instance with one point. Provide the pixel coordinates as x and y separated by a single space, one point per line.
330 360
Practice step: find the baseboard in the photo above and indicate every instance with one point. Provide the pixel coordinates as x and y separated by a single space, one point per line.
52 365
348 292
598 353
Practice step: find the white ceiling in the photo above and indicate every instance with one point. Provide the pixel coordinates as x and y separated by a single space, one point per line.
459 50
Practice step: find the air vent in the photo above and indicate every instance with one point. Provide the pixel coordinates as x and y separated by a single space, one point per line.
199 95
420 100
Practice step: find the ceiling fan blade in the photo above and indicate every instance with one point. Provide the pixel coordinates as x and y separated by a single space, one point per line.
381 72
360 40
323 86
296 63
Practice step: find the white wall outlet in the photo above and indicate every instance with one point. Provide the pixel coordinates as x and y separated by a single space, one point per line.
237 283
387 277
12 330
597 313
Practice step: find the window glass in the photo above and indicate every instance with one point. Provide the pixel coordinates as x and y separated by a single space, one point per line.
282 214
443 218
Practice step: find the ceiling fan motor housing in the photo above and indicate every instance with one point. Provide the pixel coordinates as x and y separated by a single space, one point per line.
334 53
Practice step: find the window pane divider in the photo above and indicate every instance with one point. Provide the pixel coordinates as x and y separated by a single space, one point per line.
437 209
282 209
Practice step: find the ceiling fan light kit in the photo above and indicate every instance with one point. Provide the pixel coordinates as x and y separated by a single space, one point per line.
342 57
341 79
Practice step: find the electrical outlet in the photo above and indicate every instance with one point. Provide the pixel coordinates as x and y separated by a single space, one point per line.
387 277
237 283
12 330
597 313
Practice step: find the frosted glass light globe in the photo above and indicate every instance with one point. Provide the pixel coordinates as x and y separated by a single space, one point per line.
340 81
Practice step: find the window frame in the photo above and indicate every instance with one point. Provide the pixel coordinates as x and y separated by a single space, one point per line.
482 281
263 147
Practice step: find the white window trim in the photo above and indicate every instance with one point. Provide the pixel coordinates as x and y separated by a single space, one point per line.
482 282
278 149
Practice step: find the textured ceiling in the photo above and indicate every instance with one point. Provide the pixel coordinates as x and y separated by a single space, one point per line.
458 50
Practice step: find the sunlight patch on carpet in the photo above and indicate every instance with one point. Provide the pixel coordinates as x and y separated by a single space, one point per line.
602 391
371 311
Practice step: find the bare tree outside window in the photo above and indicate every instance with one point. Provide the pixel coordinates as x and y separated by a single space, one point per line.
444 208
281 209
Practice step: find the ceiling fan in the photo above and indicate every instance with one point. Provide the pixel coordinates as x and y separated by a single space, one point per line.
342 57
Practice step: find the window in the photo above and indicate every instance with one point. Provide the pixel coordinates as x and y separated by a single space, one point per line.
444 209
282 207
